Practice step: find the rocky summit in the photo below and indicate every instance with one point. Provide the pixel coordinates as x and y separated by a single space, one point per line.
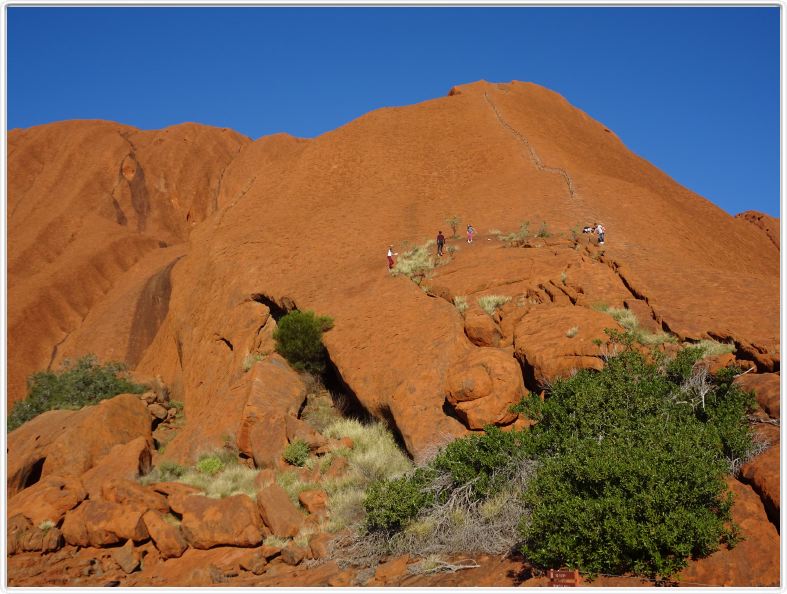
177 251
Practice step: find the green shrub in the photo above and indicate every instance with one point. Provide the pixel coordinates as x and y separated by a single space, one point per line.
632 467
210 465
296 452
299 340
78 383
390 504
543 230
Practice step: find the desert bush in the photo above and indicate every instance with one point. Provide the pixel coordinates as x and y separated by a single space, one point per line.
299 340
460 302
632 468
628 319
517 236
390 504
415 263
296 452
78 383
250 359
489 303
453 222
543 230
209 465
712 348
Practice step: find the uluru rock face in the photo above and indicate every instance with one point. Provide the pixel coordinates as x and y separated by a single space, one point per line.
174 251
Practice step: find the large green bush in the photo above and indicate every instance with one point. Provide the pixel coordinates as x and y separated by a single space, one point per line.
78 383
633 460
623 471
299 340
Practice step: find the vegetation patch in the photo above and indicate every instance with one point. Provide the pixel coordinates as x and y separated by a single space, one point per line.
460 302
628 319
713 348
296 452
79 383
517 237
622 472
489 303
417 262
298 339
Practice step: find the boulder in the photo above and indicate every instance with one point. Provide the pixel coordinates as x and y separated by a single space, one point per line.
255 563
275 392
482 387
92 433
16 528
543 344
315 501
210 522
126 557
101 523
298 429
763 475
278 512
133 495
319 545
176 494
167 537
52 541
766 390
127 461
480 328
28 445
48 499
293 554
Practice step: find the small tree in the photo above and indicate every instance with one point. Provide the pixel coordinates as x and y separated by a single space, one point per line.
299 340
453 222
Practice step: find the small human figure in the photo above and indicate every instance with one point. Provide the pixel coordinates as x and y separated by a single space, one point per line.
391 255
600 231
470 232
440 243
587 229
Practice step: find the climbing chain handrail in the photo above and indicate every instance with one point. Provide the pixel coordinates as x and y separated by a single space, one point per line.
531 151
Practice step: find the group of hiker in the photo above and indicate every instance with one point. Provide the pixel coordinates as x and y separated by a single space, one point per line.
596 228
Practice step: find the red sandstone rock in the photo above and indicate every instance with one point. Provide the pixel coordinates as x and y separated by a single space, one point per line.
314 501
763 475
134 495
92 433
543 344
126 557
168 539
254 563
480 328
292 554
176 494
482 387
390 571
278 512
298 429
766 390
101 523
49 499
319 544
754 562
212 522
124 462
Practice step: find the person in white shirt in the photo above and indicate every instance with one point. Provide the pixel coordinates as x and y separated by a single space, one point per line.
600 231
391 254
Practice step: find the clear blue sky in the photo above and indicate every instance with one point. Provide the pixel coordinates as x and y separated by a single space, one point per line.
693 90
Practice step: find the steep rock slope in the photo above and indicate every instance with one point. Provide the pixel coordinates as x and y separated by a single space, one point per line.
87 200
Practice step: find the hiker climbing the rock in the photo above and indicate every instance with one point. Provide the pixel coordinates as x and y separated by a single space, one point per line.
470 232
440 243
391 255
600 232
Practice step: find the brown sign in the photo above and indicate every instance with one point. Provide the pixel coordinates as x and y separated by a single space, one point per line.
563 577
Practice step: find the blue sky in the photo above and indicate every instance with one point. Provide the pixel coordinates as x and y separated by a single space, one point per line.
693 90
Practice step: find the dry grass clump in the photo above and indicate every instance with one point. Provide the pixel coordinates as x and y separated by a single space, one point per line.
489 303
374 456
628 319
712 348
517 236
416 263
460 302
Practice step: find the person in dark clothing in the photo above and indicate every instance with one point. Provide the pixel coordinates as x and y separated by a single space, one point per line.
440 243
